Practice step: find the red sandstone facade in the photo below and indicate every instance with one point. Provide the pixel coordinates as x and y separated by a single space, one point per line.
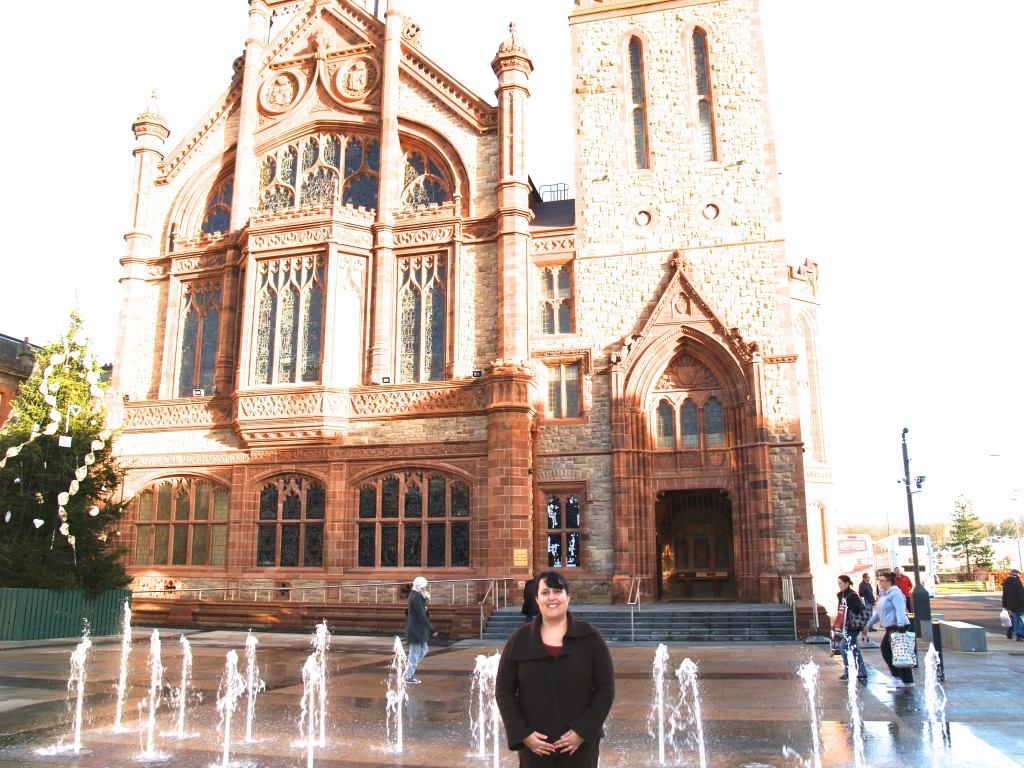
357 345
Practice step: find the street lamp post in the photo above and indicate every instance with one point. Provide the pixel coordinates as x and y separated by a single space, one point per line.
919 597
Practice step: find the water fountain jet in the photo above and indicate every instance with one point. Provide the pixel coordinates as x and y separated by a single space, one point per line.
397 695
126 649
692 724
656 719
321 643
484 717
156 679
186 678
232 688
253 683
77 681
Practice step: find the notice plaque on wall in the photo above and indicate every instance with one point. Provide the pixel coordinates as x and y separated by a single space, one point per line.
520 558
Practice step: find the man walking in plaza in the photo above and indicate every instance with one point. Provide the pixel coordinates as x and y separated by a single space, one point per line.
1013 602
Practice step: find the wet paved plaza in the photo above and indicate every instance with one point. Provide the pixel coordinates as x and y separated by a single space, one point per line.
755 708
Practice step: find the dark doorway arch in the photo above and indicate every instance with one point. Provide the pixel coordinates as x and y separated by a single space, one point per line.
695 545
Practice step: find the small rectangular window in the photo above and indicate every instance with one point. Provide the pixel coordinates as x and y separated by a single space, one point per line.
563 390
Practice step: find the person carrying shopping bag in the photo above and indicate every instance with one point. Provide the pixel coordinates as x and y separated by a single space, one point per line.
891 612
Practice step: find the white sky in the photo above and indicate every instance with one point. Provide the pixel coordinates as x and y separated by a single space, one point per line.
897 137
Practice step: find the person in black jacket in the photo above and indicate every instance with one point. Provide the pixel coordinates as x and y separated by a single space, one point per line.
417 628
530 608
555 684
867 593
854 608
1013 602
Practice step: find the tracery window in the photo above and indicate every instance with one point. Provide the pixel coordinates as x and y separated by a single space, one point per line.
666 430
424 182
423 318
414 520
556 304
565 521
181 522
289 320
699 427
291 523
706 151
638 103
563 401
200 334
308 173
218 209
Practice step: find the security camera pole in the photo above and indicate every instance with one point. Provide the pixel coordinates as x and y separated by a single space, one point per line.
919 597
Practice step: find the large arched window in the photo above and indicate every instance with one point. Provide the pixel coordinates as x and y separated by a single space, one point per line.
689 425
423 318
200 334
291 523
706 150
217 217
181 521
309 173
289 320
638 104
424 183
414 520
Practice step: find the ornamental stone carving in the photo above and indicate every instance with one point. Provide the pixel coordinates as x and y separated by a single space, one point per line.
422 236
687 373
279 93
175 415
411 401
356 78
293 237
196 263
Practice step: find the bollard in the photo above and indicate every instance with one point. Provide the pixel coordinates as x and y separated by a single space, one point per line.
937 642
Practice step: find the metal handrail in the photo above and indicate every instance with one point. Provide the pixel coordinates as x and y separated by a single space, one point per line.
390 588
633 603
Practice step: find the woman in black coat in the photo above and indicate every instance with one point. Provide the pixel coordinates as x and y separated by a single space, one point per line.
555 684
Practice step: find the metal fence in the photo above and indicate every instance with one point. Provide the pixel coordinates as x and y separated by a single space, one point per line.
40 614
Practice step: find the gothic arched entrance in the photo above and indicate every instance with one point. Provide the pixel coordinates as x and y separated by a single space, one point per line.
695 546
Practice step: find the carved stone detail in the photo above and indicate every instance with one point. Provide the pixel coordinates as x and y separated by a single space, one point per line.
176 415
553 244
355 78
394 402
279 94
688 373
423 236
197 263
293 237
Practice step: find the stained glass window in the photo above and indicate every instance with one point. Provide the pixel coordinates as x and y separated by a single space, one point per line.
402 535
713 423
666 434
423 319
424 182
565 521
217 217
291 523
290 318
706 151
638 105
200 336
689 428
318 169
182 531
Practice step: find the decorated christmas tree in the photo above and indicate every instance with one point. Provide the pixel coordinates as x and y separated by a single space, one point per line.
58 511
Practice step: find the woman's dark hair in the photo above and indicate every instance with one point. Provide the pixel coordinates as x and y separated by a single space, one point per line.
888 576
845 579
554 580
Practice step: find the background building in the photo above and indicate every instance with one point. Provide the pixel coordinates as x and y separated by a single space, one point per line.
356 342
17 359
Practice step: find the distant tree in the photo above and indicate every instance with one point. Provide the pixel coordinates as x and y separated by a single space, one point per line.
1007 527
57 511
966 537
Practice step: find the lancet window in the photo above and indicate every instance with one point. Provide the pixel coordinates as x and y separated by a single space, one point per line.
423 318
319 170
289 320
291 524
181 522
638 103
414 520
706 151
200 334
217 217
564 535
424 182
556 300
